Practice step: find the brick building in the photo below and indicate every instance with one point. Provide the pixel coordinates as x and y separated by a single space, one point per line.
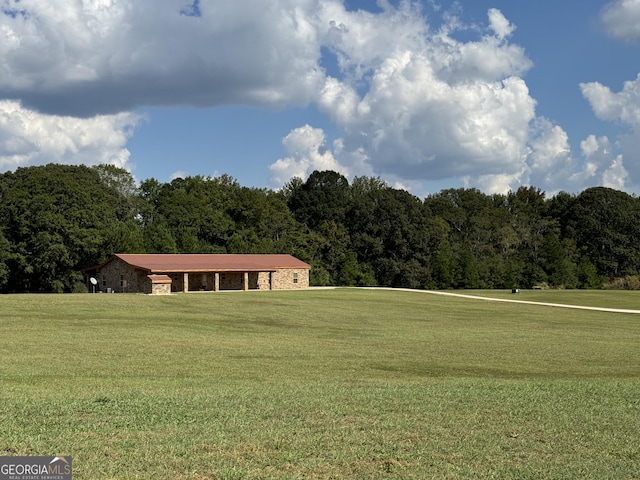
166 273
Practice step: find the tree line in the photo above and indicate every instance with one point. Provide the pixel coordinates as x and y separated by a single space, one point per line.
58 219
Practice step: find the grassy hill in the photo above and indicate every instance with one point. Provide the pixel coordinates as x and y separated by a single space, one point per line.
340 383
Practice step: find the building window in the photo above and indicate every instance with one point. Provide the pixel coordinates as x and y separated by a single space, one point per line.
295 278
123 283
104 280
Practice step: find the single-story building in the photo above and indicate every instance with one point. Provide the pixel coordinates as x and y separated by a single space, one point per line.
166 273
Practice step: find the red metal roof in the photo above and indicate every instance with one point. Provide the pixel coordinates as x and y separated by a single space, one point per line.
156 279
176 263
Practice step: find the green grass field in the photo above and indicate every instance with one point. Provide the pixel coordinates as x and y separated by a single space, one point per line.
343 384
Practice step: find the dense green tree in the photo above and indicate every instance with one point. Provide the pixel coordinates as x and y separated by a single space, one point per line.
560 208
57 219
469 272
195 210
126 237
333 249
157 236
607 225
528 217
290 188
588 276
121 185
444 262
558 260
389 231
476 224
264 216
492 272
366 200
150 191
322 198
354 274
321 204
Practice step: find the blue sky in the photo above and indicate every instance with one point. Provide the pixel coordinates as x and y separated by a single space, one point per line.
427 95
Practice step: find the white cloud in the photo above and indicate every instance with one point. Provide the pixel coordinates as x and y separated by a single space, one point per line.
306 152
104 56
499 24
549 161
601 166
339 100
499 183
429 107
621 19
615 176
623 106
32 138
420 105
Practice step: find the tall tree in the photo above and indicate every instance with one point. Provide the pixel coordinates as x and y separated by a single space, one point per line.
322 198
195 210
529 219
57 219
607 226
122 186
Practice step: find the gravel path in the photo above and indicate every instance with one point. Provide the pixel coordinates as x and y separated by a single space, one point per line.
474 297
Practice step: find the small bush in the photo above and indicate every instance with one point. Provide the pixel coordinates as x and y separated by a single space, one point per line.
80 287
630 282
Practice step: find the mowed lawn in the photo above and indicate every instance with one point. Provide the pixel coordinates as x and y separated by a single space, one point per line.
343 384
626 300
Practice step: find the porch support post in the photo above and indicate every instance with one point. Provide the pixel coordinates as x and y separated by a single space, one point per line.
185 282
216 282
245 285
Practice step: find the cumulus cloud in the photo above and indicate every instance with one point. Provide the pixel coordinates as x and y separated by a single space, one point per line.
621 19
549 161
615 176
431 107
499 24
306 151
418 104
623 106
602 166
32 138
104 56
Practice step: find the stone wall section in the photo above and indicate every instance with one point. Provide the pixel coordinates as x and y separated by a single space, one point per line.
291 279
161 289
117 276
263 282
